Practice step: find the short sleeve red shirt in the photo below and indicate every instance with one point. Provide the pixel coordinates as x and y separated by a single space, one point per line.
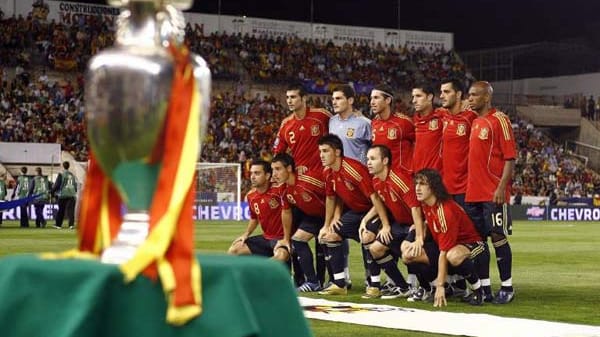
398 134
301 137
455 150
449 225
428 141
351 183
266 208
398 194
491 144
308 194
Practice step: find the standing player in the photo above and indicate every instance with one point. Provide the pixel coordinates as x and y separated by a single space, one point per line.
394 187
455 240
455 139
302 202
264 202
347 180
455 151
492 153
396 131
428 130
300 131
351 126
354 130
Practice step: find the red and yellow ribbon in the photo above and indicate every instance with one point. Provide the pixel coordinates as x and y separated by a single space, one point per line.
168 252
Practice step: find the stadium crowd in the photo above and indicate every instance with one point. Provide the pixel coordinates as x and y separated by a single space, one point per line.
544 168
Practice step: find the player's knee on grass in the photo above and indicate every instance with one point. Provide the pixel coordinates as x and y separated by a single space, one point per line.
457 255
378 249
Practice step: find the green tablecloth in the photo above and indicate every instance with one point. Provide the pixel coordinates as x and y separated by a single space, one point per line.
243 296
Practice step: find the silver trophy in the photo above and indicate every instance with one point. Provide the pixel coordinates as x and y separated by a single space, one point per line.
127 94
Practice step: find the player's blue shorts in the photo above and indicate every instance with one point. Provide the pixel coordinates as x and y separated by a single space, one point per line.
460 199
490 217
399 233
307 223
350 222
259 245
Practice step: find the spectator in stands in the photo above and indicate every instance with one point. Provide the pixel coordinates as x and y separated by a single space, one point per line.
591 108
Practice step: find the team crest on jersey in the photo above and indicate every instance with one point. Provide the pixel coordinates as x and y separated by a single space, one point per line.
314 130
392 133
434 124
461 129
483 133
350 133
349 186
306 197
290 199
273 203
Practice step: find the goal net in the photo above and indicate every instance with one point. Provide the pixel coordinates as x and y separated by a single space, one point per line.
219 183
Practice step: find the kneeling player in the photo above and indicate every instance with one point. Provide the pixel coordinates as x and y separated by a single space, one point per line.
303 203
264 202
394 187
458 242
348 180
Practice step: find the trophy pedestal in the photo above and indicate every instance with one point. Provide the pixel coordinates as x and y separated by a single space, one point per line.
242 296
133 232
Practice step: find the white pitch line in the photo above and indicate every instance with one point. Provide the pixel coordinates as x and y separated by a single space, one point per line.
462 324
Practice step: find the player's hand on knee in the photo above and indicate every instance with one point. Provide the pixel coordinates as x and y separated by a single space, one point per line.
337 224
283 244
385 235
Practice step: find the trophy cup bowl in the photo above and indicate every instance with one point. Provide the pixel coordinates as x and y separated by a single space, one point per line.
127 94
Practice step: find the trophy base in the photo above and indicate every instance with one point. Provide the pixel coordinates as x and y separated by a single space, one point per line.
133 232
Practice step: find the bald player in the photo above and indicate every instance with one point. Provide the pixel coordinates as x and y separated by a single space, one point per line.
492 153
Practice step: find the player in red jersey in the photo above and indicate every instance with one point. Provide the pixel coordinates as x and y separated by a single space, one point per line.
350 195
300 131
395 188
428 129
492 153
455 139
264 202
396 131
303 203
456 242
455 152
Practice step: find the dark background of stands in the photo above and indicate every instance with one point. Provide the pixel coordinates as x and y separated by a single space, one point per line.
481 24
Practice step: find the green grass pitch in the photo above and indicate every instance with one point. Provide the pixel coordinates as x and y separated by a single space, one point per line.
555 270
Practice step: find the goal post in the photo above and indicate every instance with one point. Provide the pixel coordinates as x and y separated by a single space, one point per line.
220 183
